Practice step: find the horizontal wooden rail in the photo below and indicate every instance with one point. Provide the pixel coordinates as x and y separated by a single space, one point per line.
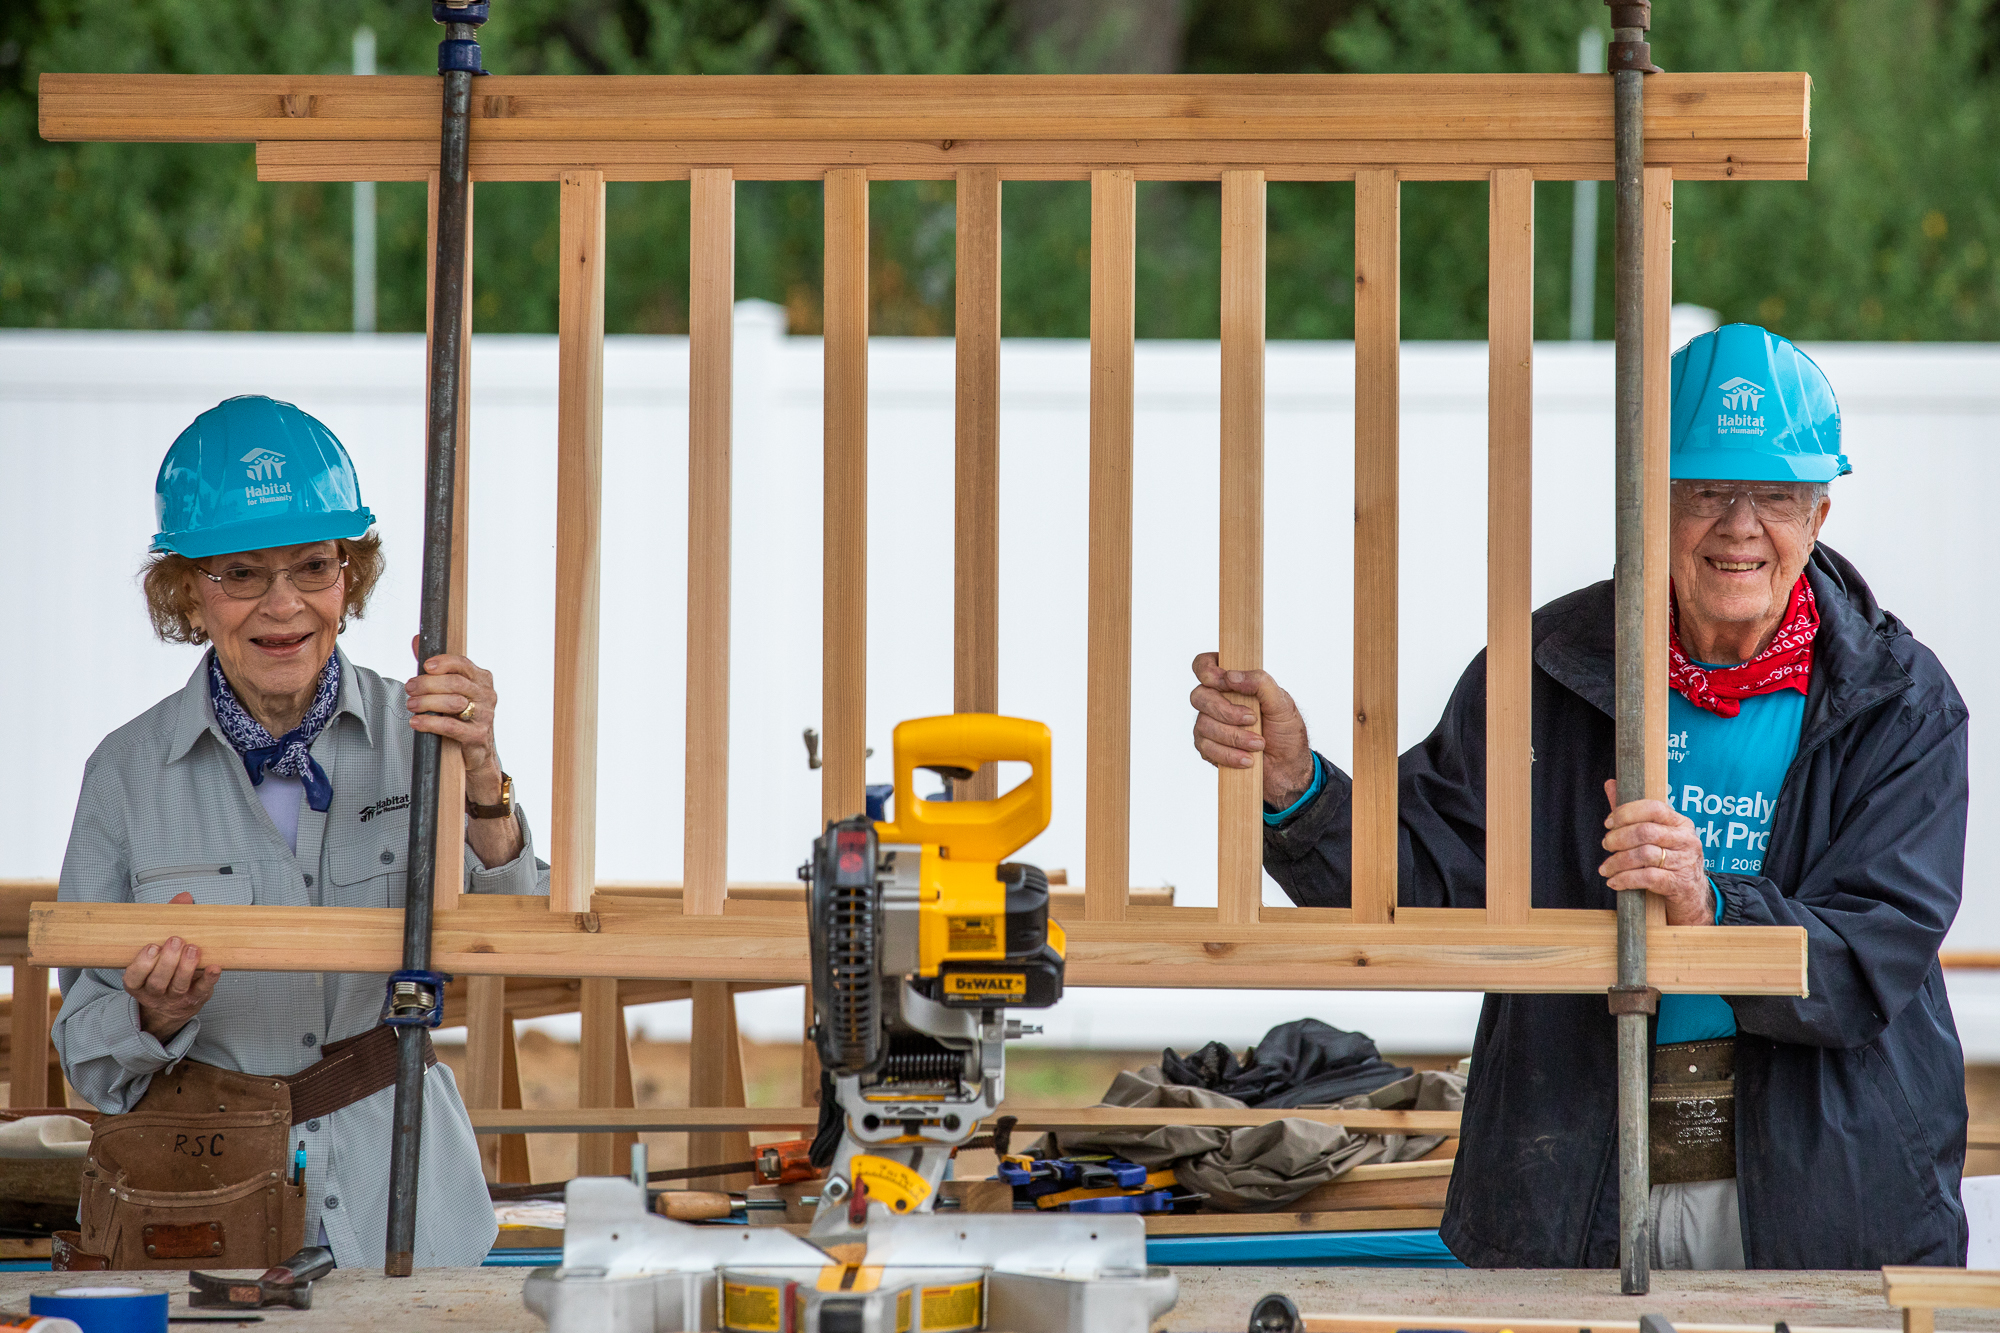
1430 126
1555 953
778 1119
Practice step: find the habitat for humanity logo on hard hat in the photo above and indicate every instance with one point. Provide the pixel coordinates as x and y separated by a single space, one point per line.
1740 400
266 466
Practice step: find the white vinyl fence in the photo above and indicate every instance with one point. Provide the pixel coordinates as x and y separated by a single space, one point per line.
86 417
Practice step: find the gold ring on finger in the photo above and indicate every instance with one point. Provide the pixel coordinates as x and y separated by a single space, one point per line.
1661 863
469 711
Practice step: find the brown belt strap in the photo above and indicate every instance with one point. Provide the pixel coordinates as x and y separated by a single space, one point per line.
349 1071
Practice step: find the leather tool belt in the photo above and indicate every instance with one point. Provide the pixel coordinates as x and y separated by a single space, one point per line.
200 1169
1692 1112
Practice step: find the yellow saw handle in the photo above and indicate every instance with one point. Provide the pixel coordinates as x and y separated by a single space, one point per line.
970 830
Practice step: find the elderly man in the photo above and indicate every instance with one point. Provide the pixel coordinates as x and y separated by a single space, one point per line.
1818 769
278 774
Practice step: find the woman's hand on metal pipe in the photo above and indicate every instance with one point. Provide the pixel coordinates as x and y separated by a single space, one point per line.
437 699
169 983
1654 848
1227 735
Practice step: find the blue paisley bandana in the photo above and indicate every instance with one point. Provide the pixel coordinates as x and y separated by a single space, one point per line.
290 756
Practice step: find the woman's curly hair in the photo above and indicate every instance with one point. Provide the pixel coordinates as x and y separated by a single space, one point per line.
169 581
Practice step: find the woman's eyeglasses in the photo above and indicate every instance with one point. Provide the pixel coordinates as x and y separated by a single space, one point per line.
245 582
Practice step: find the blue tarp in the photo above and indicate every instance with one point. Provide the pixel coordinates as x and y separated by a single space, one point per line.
1304 1249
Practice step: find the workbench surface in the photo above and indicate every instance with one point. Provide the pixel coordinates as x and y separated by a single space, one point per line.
1213 1300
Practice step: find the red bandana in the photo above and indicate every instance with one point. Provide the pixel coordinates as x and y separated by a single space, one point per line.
1785 665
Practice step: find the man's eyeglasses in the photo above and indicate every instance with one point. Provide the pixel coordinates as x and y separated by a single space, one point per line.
245 582
1788 502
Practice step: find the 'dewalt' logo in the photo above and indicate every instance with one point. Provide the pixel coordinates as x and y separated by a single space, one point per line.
986 985
369 812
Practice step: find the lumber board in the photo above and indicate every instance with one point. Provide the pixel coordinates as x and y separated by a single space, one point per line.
1108 669
448 872
579 510
1574 954
1483 1323
514 1168
711 333
1063 901
1510 493
28 1040
1377 417
777 1119
1979 1135
602 1032
487 1031
1281 160
1239 844
844 576
976 474
715 1078
1248 1224
1451 108
1941 1288
1434 1319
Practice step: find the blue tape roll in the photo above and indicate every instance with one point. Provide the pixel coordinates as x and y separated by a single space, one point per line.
106 1309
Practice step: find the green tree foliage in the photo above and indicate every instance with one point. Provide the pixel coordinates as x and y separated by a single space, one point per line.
1894 237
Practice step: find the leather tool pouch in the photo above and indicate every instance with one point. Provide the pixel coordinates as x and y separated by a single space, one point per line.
200 1170
195 1175
1693 1112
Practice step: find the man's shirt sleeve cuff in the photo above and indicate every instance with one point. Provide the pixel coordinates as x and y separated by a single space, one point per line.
1314 788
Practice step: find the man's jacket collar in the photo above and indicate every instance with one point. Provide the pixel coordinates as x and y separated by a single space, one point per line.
1854 666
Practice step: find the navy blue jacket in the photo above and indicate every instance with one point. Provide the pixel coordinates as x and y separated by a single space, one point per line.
1850 1102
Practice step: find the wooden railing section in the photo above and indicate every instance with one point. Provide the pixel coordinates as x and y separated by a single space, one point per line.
1243 132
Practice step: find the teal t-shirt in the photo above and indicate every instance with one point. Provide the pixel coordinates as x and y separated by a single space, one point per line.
1725 774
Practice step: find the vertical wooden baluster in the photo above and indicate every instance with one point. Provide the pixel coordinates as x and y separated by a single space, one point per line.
486 1034
711 325
1659 262
603 1024
514 1168
1108 688
579 498
1377 329
621 1088
1240 792
715 1078
450 873
1510 420
976 520
844 666
28 1038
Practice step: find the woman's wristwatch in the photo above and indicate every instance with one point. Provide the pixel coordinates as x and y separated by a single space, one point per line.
500 810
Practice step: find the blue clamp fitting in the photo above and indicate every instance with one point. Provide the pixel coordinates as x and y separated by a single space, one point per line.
429 1018
454 54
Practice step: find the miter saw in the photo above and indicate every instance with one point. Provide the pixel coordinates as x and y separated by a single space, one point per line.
922 938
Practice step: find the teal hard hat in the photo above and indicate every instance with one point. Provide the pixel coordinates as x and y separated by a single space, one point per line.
1750 406
252 472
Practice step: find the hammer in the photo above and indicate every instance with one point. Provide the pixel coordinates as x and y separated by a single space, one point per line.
289 1284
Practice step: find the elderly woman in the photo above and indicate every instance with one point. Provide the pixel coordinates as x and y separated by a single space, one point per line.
1818 767
279 774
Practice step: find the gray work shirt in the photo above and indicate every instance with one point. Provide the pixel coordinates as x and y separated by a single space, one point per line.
167 808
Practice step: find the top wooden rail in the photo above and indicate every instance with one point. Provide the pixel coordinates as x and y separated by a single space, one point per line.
1748 126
